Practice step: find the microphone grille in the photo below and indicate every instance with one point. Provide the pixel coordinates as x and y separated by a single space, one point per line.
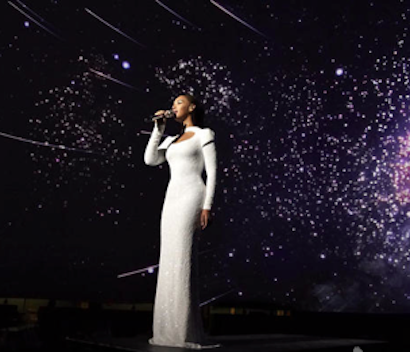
169 113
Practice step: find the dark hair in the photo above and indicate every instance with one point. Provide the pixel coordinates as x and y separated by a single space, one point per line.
198 115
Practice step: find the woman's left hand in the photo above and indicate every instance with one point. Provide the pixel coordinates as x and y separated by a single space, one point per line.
205 218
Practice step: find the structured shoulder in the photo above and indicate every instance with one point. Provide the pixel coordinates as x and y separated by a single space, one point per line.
207 136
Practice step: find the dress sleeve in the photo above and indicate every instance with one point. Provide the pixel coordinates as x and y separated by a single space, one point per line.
155 154
209 153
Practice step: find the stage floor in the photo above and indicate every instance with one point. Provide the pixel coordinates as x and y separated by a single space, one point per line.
243 343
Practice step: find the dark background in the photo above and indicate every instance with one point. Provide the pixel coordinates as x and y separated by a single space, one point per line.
309 102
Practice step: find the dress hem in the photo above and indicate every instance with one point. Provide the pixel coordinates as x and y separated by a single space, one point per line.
190 345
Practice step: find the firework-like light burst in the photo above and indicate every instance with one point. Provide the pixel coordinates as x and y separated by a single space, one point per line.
347 166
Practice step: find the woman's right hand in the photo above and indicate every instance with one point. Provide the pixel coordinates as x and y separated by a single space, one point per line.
160 122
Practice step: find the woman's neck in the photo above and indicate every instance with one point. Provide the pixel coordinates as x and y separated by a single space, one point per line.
188 122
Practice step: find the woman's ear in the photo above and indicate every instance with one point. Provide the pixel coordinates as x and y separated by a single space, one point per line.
192 107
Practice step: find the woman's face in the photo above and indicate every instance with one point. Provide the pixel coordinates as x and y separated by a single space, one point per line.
182 108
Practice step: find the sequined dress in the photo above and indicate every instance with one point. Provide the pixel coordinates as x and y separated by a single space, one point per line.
177 320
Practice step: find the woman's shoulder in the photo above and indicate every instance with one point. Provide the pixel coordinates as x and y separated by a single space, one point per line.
207 135
203 130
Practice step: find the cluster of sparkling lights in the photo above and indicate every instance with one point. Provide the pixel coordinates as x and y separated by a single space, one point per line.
208 80
83 117
402 172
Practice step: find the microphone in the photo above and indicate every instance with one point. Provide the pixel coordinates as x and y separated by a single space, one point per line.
168 114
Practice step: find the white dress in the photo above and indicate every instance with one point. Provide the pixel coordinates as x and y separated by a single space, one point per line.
177 320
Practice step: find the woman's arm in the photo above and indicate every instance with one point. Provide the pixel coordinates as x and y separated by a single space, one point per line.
209 153
154 156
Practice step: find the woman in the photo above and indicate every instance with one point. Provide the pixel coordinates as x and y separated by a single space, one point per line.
186 210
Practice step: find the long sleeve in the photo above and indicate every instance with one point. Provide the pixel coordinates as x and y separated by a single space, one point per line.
153 155
209 153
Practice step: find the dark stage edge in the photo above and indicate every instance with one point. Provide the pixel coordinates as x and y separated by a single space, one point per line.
242 343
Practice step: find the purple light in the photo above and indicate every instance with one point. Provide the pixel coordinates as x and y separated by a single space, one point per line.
126 65
26 24
116 56
339 72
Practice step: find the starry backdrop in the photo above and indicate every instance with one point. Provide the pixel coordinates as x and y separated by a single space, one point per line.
310 104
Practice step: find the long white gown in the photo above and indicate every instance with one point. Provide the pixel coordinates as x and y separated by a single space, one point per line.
177 320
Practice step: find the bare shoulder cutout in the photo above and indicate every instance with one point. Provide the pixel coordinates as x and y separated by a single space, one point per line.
184 137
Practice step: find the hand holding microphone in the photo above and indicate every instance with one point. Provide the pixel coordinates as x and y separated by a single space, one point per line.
160 119
163 114
160 115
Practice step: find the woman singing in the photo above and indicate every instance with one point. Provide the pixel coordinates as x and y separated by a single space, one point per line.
186 210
